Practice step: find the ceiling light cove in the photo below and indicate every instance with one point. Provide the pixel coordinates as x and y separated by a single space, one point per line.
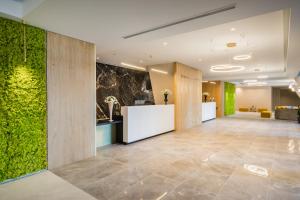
165 43
226 68
250 81
212 82
262 76
233 29
159 71
242 57
133 66
256 83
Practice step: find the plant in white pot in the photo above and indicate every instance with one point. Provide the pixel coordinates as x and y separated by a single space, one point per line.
166 92
111 100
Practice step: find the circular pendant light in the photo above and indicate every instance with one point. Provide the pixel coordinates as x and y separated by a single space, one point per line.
226 68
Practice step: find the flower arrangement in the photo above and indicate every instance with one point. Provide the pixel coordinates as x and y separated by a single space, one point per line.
166 92
205 94
111 99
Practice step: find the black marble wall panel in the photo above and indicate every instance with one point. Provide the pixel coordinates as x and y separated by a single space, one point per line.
125 84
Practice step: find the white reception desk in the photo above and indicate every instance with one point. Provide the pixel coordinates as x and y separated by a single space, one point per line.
140 122
208 111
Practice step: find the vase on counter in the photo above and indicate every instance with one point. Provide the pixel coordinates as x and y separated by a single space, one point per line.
205 95
111 100
166 99
110 108
166 92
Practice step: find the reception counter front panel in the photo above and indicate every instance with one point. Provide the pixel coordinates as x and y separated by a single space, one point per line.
140 122
208 111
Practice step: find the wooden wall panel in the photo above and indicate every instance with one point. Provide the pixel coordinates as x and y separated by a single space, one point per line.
188 96
71 75
162 81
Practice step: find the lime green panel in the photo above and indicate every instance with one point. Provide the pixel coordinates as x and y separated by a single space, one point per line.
229 98
23 137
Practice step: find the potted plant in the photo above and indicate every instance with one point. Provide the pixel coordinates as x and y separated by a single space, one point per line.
111 100
166 92
205 94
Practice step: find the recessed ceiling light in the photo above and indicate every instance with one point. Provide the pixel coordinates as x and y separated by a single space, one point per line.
165 43
231 44
133 66
250 81
263 76
159 71
242 57
98 58
226 68
232 29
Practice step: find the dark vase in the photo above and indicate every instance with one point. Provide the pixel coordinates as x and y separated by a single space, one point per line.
166 99
205 98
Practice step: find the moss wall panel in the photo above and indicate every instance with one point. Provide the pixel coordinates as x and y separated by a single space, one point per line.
23 144
229 98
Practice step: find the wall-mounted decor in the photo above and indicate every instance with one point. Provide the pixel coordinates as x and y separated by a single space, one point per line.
229 98
127 85
23 144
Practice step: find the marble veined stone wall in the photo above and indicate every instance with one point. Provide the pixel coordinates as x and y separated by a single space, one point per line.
125 84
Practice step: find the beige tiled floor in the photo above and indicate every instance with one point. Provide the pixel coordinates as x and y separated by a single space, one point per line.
42 186
222 159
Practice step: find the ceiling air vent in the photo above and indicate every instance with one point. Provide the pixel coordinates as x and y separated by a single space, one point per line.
204 14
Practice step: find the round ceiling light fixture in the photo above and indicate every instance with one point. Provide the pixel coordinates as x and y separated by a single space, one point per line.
231 44
226 68
242 57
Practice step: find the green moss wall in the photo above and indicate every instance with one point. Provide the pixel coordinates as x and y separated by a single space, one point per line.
229 98
23 138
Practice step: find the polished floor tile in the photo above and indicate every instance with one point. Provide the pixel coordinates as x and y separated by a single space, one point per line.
42 186
228 158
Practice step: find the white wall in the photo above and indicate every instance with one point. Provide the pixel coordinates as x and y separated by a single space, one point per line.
260 97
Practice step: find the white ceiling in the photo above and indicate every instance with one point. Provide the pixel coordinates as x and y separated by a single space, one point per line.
105 22
260 36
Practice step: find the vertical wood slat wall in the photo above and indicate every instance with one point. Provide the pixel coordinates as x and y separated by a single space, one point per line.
188 96
71 75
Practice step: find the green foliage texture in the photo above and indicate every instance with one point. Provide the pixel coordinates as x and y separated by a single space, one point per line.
229 97
23 136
